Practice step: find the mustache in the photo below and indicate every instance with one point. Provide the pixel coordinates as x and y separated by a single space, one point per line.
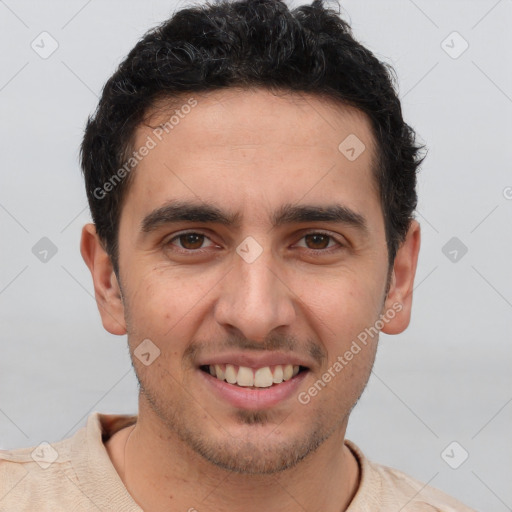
273 342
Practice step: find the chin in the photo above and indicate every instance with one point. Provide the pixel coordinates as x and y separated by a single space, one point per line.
257 446
255 458
258 442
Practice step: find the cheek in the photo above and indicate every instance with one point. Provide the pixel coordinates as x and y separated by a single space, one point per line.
342 305
161 300
341 313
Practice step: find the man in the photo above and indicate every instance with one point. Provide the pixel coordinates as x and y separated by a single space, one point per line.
252 186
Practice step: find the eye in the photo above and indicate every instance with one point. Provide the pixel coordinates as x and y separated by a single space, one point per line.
190 241
319 241
193 241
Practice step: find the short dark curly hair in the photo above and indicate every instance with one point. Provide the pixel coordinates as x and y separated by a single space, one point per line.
249 43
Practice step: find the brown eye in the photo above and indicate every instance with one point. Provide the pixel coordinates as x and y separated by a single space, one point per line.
317 241
190 241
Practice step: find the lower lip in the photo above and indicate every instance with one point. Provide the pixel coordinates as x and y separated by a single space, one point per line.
250 398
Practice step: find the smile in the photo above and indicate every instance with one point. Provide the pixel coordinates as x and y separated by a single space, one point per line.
247 377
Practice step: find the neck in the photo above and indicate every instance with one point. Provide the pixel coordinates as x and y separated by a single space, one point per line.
161 474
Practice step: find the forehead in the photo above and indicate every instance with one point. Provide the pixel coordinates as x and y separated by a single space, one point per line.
237 117
253 147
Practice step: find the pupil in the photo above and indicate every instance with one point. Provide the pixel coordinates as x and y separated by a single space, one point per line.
317 240
191 240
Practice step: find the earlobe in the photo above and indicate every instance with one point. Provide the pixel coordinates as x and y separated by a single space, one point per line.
398 303
106 287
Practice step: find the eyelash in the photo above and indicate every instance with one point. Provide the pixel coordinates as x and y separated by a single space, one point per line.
310 251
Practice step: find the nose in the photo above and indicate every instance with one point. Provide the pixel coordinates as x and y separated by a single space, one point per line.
255 299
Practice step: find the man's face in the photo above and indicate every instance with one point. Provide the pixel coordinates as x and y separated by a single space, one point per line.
281 283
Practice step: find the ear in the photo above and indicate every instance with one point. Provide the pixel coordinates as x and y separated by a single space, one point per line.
399 298
106 287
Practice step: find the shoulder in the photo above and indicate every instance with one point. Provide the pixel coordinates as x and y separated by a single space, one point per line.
33 475
73 474
384 488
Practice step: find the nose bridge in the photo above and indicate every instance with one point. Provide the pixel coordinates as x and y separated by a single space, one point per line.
253 299
257 284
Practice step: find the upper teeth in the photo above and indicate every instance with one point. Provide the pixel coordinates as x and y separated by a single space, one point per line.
257 377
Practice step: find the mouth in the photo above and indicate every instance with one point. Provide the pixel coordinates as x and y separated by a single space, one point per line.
253 378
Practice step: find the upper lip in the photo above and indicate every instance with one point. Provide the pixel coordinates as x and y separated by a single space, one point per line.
254 360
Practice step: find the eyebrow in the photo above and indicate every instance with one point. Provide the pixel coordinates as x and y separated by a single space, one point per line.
185 211
295 214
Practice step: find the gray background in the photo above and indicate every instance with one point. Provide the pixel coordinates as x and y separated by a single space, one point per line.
447 378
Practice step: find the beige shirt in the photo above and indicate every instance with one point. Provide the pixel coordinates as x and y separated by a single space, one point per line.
76 474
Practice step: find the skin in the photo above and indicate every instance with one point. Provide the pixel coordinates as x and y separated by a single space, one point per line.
249 152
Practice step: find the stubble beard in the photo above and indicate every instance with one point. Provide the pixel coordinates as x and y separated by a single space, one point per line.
241 454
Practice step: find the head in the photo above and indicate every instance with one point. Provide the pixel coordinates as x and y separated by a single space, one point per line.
252 186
